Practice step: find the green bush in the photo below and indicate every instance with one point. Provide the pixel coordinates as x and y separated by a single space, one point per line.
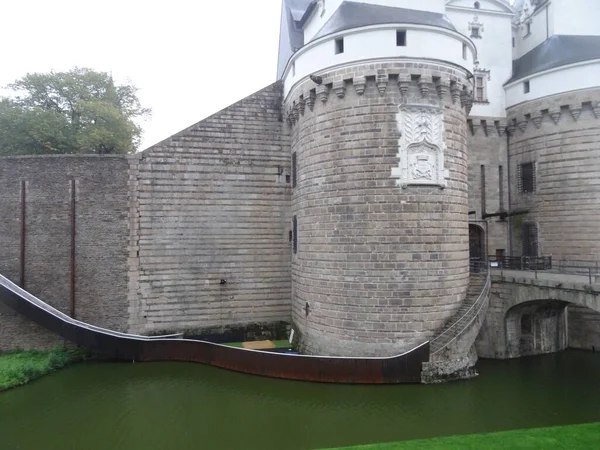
19 368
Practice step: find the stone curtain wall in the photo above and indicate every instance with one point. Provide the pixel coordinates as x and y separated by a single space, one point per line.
584 328
561 134
486 141
101 240
380 267
213 205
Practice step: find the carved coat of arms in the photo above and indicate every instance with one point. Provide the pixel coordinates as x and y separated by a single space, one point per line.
421 146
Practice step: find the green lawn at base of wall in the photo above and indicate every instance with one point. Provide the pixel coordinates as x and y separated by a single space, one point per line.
573 437
278 344
20 368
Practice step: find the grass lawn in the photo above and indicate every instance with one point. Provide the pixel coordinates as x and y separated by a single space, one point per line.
20 368
278 344
573 437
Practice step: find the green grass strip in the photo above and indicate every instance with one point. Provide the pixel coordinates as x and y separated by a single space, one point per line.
573 437
282 344
235 344
278 344
20 368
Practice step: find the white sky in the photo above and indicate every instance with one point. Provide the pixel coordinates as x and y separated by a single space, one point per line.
188 58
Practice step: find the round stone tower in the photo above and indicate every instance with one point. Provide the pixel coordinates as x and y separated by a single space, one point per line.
554 130
377 116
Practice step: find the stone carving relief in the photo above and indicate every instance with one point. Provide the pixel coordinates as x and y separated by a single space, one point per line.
421 147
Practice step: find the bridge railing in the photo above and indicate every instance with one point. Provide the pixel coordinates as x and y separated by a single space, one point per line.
444 339
545 264
522 262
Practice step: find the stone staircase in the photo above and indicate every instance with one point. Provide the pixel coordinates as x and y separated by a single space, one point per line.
472 306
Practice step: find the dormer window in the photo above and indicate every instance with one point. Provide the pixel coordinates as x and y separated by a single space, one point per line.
476 28
481 78
527 29
477 5
339 46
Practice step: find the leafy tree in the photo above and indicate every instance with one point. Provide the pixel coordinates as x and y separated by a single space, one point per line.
80 111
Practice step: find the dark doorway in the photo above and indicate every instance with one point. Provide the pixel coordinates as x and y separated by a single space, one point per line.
530 240
476 243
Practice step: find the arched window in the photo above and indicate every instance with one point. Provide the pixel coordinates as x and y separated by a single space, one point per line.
477 5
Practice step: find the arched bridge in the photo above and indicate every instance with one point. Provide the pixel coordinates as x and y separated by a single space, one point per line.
540 312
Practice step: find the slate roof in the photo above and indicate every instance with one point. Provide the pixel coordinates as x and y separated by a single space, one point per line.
298 7
354 15
557 51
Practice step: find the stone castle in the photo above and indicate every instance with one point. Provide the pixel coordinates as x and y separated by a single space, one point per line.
403 141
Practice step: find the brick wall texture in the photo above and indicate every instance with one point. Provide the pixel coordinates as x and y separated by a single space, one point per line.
560 134
102 234
213 203
381 267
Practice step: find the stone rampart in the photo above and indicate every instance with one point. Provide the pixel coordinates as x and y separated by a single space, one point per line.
101 235
210 227
560 136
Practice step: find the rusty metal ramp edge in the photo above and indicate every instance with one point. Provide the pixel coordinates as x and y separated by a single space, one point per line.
404 368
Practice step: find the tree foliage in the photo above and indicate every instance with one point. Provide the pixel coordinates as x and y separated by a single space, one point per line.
79 111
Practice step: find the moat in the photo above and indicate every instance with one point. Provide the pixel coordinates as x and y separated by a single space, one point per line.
179 405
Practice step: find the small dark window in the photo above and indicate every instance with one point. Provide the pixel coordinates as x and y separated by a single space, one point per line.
295 234
339 46
288 179
514 42
477 5
526 87
526 178
291 236
294 171
401 38
528 29
475 32
464 51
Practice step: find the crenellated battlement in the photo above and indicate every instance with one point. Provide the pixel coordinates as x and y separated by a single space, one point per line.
556 110
411 82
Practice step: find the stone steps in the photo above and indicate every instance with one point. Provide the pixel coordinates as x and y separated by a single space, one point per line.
459 320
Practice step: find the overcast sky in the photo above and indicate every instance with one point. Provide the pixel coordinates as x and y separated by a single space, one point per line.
188 58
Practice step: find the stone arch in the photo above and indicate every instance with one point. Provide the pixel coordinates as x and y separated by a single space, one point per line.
536 327
578 304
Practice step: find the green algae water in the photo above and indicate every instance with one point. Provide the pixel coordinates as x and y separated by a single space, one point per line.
191 406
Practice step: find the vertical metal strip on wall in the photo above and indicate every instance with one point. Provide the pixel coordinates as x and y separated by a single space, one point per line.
23 232
483 189
73 228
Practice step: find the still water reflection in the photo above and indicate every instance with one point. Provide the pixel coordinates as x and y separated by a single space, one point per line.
190 406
